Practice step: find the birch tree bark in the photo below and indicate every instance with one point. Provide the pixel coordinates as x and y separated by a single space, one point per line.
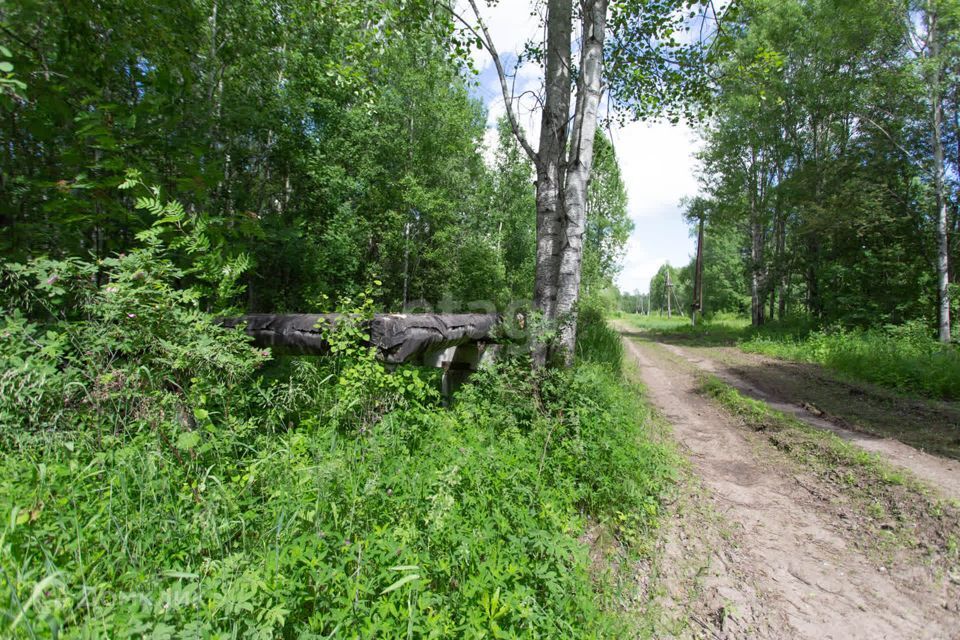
579 166
564 159
756 250
936 132
549 159
550 164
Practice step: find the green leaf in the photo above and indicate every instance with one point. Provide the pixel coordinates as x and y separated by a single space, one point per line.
188 440
181 574
399 583
6 67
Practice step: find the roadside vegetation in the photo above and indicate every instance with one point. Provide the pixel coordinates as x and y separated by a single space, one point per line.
160 477
828 203
905 358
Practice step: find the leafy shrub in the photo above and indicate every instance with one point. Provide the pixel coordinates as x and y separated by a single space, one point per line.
596 340
160 478
118 344
443 523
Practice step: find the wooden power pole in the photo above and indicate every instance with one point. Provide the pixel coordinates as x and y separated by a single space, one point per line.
669 292
697 306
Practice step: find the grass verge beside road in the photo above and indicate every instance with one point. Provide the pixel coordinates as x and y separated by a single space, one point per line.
905 358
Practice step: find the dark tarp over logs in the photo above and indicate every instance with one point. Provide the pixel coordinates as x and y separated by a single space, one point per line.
398 337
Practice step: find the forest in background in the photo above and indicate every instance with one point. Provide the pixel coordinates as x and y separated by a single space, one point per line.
166 164
830 166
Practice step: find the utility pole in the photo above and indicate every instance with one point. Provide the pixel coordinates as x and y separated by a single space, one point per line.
697 305
669 292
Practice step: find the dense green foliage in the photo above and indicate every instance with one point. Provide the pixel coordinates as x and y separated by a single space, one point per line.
161 477
820 196
902 357
329 144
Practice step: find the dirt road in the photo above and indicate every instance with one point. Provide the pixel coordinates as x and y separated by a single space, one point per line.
787 568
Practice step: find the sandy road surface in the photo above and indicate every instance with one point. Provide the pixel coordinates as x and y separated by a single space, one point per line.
795 573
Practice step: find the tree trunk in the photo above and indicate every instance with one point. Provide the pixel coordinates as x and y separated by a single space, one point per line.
668 287
756 286
757 297
550 170
697 306
779 276
936 104
589 88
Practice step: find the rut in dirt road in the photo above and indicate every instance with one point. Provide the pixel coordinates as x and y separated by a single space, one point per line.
804 578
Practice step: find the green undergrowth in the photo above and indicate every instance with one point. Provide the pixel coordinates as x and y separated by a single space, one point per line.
905 358
161 478
428 523
597 342
893 506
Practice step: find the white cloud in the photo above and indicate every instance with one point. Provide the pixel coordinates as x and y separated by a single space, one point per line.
510 22
657 160
659 169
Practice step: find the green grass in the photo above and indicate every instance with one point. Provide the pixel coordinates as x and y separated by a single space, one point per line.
894 507
295 515
904 358
720 331
597 342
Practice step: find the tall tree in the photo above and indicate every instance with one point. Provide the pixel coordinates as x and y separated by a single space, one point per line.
932 25
641 35
608 223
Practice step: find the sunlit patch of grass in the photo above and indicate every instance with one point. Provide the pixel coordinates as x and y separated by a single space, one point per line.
905 358
413 520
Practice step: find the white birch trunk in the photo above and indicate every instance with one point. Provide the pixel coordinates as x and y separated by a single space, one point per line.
579 165
550 157
936 105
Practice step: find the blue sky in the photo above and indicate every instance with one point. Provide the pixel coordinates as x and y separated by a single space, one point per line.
656 159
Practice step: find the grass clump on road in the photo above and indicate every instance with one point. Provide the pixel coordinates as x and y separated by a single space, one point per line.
889 501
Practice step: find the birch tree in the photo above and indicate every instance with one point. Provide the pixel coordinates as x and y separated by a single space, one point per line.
932 25
650 76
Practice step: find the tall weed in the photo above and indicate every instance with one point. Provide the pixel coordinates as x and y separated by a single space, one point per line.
905 358
159 477
596 340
